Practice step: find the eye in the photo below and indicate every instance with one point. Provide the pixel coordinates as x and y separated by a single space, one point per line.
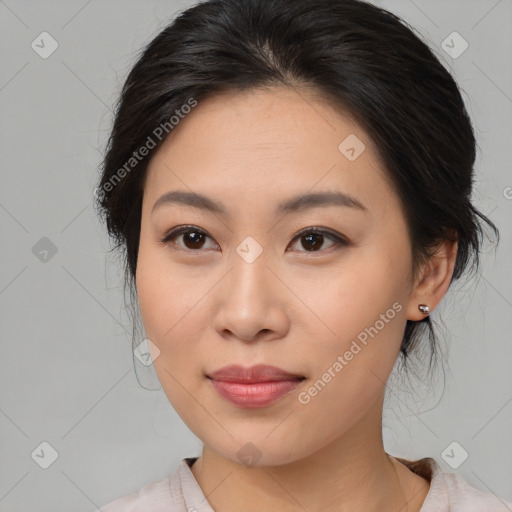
193 237
312 239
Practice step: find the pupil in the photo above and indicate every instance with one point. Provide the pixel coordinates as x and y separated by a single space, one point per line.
315 238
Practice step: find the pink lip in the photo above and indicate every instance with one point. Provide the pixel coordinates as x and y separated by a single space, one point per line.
255 386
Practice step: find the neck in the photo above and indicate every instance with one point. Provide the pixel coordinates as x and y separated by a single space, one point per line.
351 473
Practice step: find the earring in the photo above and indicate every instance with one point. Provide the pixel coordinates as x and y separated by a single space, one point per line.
424 309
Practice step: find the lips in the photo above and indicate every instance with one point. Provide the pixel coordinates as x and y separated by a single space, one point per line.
253 387
253 374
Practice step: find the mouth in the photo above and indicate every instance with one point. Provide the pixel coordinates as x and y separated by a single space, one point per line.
256 381
255 394
254 374
253 387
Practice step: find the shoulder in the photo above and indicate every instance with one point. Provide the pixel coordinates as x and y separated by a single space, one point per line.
465 498
163 496
450 492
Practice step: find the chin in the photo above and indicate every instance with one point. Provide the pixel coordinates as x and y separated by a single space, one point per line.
262 452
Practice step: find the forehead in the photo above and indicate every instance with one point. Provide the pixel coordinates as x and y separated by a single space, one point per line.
268 143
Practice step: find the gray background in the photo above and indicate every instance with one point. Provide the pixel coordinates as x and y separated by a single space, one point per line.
66 372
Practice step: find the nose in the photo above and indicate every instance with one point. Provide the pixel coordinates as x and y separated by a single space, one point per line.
251 302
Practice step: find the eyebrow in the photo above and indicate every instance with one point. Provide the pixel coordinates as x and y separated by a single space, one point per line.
294 204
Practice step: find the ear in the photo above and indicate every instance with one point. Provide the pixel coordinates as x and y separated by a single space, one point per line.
433 279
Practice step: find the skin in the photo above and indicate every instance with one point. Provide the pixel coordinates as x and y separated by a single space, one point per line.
298 309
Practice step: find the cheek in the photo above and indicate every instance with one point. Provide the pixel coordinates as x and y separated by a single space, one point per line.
164 294
155 298
351 368
173 312
356 293
170 322
362 308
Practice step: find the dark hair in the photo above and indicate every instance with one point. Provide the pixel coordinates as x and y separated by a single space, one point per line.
359 57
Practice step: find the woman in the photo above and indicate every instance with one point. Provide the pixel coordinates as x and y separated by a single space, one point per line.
291 214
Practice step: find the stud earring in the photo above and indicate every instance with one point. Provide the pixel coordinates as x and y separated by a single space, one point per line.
424 309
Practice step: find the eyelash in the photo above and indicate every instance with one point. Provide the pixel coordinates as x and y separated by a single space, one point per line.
338 240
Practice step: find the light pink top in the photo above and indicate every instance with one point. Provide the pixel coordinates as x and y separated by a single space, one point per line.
180 492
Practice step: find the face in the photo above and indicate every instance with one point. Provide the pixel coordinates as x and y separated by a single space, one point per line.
317 287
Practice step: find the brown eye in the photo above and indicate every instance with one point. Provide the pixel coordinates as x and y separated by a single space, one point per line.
312 240
192 238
